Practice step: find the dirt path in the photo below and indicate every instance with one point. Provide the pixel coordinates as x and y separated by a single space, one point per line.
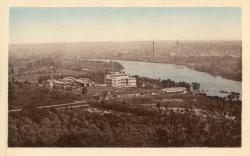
57 105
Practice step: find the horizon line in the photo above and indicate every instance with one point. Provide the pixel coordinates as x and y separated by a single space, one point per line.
122 41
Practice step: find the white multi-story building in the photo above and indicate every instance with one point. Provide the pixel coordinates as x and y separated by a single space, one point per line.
120 80
132 81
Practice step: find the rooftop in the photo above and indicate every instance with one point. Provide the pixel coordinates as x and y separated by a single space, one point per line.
116 75
174 89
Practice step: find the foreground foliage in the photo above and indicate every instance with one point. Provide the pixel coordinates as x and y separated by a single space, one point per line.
126 127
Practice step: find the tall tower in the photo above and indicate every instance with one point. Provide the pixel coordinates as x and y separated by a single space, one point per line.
177 47
153 48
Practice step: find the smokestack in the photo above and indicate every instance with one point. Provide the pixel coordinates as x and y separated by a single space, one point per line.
177 47
153 48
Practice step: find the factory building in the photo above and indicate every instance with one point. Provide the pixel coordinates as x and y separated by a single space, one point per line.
174 90
120 80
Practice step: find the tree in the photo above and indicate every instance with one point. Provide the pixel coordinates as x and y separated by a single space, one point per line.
184 84
167 83
42 78
158 105
84 90
233 96
12 92
106 71
196 86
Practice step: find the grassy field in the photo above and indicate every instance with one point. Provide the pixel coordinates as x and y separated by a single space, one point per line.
31 95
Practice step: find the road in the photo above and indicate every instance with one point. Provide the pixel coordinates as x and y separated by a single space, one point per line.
57 105
83 103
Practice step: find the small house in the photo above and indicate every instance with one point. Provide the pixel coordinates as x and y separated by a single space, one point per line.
84 82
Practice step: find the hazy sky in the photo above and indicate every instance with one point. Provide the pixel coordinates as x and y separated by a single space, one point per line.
36 25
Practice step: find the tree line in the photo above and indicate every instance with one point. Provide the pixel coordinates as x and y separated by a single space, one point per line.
130 128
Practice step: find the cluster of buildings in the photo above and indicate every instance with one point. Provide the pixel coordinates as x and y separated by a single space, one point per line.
108 95
116 86
113 80
133 92
69 83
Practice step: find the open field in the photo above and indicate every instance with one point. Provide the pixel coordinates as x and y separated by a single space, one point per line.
30 95
31 69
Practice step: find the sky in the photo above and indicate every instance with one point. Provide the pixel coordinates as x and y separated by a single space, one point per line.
87 24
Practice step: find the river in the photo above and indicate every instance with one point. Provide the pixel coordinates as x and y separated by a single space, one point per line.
211 85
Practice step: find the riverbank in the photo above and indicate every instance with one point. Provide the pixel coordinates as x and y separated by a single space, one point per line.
209 84
216 66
